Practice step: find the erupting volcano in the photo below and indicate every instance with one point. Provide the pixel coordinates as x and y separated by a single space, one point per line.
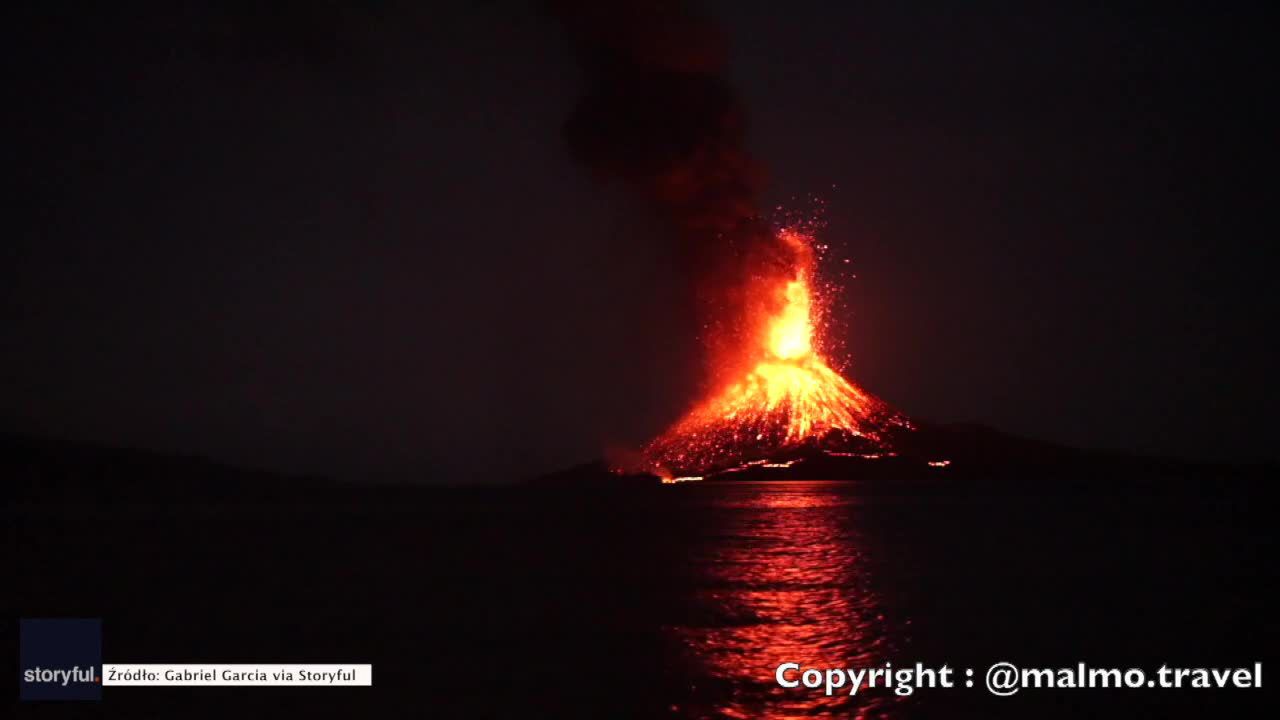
787 400
660 115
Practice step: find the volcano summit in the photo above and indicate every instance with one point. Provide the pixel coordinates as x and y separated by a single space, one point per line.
786 398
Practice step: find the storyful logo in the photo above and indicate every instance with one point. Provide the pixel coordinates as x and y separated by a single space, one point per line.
60 659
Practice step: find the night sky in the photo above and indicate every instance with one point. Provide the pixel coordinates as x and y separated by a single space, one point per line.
350 240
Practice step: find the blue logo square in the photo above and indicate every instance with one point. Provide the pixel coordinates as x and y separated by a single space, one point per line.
60 658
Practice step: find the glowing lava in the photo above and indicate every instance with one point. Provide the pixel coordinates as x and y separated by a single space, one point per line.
788 400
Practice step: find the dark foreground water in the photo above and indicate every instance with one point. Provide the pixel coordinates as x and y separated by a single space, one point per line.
673 602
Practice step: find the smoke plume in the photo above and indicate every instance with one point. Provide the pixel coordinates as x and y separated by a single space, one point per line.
658 115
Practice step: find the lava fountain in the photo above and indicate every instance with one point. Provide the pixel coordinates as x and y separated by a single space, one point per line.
783 399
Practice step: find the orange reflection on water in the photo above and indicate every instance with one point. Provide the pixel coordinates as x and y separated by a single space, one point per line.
785 581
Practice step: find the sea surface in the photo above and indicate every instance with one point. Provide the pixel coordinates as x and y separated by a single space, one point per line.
665 602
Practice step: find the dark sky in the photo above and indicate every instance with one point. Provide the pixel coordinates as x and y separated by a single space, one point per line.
347 240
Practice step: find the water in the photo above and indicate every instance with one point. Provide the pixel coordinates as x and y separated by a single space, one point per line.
785 576
674 602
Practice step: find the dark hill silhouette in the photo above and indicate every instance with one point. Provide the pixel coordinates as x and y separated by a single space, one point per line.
38 469
978 459
971 457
